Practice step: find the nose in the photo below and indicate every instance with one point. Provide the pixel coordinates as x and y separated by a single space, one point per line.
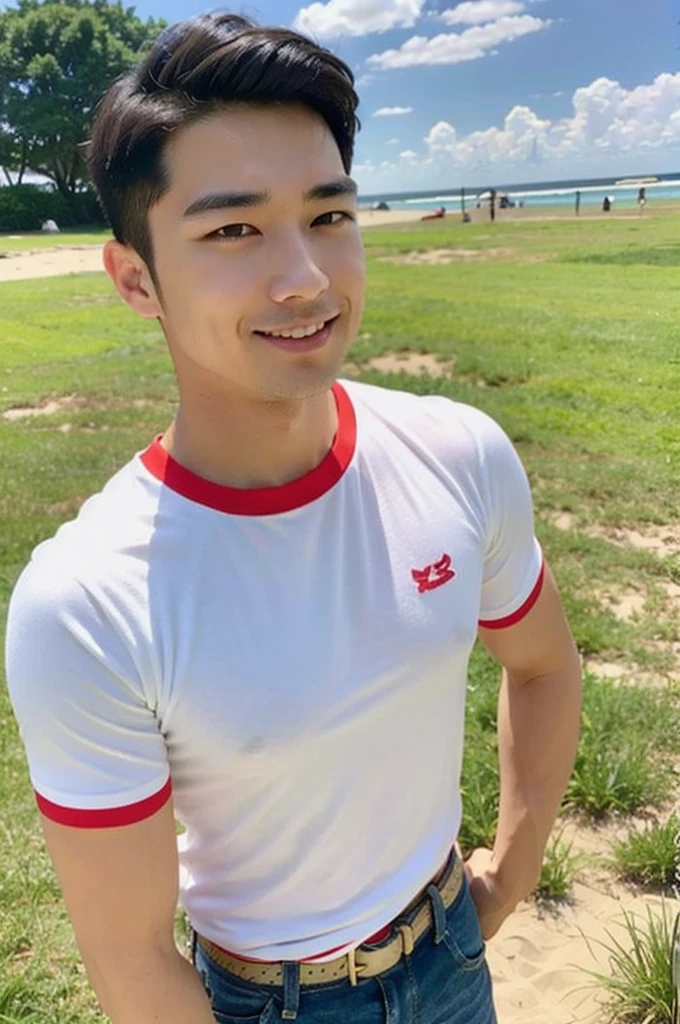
298 274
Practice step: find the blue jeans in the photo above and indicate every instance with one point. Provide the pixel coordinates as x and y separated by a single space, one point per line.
445 980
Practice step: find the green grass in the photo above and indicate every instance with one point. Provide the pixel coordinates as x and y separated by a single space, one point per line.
640 987
568 337
623 761
651 855
20 241
558 871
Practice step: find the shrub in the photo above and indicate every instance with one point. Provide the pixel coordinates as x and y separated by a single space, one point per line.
26 207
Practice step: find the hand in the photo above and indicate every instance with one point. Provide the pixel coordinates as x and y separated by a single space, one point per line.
493 904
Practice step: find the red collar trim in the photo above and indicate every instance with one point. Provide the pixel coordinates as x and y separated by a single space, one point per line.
262 501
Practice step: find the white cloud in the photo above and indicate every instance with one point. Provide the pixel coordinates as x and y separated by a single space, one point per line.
392 111
441 137
477 12
392 142
613 119
456 47
608 122
522 138
356 17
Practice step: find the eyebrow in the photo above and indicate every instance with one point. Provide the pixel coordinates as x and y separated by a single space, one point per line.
241 200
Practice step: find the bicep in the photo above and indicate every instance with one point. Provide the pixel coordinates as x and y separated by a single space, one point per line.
540 643
120 887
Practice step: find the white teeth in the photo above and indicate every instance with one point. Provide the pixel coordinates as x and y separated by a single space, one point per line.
299 332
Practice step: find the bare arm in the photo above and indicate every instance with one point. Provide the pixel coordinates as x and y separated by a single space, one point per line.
120 887
539 713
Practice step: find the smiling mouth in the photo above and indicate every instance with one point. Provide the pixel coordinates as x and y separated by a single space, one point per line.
299 333
302 340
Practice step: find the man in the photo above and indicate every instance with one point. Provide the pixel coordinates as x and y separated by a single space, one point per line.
262 624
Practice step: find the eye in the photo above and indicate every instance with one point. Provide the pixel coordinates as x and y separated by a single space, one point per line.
342 214
230 232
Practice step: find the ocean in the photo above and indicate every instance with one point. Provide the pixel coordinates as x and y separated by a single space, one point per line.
622 191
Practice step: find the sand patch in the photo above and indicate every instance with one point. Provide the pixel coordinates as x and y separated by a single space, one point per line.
619 674
51 408
606 669
623 605
71 403
539 959
443 256
51 261
413 363
564 521
661 540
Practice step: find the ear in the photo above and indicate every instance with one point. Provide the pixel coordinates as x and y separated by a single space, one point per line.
131 279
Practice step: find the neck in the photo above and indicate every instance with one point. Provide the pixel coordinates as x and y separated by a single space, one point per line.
252 443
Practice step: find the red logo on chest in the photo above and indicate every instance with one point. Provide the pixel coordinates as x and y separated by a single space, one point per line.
433 576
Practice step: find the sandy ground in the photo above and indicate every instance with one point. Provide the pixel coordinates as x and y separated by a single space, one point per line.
50 262
540 957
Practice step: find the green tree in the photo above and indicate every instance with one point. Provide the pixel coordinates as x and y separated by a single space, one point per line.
57 59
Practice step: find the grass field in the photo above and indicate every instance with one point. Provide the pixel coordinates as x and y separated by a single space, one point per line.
567 333
38 240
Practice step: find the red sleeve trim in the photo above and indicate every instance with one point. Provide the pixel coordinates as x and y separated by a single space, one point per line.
512 620
110 817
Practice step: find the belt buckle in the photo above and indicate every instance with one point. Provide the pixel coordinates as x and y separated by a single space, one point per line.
354 969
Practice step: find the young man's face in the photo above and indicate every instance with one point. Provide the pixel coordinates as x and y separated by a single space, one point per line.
283 260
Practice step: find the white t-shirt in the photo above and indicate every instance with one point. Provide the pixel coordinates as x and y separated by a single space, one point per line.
289 663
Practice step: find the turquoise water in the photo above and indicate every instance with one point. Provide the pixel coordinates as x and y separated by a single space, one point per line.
541 194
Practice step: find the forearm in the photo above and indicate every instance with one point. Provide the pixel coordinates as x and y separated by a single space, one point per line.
161 991
538 730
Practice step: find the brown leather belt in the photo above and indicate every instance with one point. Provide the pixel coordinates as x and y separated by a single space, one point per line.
365 961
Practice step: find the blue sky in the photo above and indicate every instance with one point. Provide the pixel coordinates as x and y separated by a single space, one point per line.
496 91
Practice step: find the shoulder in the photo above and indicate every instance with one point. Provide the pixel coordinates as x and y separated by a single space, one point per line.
432 420
88 574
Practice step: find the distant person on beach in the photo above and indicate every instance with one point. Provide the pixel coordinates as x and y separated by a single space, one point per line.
642 200
606 204
435 215
261 626
578 203
492 204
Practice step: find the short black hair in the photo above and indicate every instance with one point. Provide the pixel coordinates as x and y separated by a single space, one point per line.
196 68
